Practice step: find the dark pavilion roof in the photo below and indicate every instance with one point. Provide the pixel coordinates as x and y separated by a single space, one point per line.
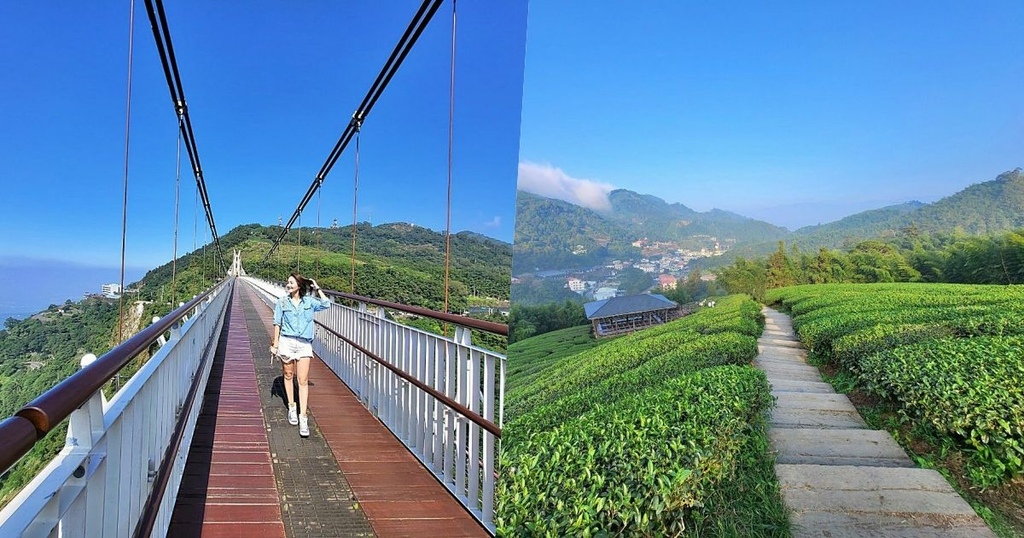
630 304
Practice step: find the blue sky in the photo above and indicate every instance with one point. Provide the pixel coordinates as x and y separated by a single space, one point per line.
791 112
270 88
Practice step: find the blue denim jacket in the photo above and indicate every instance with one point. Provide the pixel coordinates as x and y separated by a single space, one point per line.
297 320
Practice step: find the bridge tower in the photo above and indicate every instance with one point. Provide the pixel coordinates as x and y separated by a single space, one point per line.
236 264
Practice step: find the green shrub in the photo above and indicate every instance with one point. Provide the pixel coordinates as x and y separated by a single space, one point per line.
970 389
639 466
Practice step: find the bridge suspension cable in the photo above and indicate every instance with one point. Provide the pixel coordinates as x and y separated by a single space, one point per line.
451 134
355 197
177 197
162 35
127 139
412 33
319 232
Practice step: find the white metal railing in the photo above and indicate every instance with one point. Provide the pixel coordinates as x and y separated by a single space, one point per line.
433 420
99 484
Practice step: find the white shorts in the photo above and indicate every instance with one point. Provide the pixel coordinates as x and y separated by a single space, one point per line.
292 348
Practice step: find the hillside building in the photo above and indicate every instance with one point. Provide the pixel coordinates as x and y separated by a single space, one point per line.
111 291
621 315
605 292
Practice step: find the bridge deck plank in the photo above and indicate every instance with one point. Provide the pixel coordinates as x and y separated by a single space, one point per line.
228 487
397 494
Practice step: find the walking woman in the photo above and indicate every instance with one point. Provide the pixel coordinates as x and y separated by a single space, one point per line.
292 342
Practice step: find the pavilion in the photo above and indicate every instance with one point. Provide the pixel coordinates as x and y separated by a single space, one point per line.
620 315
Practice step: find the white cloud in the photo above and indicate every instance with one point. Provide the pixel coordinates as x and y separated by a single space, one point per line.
493 223
546 180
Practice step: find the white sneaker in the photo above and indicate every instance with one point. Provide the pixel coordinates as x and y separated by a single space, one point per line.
303 426
293 415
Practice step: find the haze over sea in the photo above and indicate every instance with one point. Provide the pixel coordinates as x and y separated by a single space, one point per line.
32 285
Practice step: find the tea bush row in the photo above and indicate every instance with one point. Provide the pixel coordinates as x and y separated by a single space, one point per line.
639 466
949 355
736 314
971 389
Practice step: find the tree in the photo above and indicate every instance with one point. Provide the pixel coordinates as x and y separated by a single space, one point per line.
634 281
780 270
750 277
876 261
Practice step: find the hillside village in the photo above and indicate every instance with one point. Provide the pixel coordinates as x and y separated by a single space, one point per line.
666 262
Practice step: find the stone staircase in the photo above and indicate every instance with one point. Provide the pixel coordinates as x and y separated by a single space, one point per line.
839 478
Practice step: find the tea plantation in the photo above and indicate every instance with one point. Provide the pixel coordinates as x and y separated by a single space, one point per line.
661 432
951 356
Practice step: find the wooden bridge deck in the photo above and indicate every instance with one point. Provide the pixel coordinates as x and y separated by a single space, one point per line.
250 474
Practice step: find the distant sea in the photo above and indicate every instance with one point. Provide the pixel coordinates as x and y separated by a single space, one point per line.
31 286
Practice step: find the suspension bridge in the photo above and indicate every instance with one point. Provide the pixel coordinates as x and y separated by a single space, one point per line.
406 424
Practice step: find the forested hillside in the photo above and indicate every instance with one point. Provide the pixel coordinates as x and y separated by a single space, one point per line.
39 352
908 257
556 234
548 231
395 262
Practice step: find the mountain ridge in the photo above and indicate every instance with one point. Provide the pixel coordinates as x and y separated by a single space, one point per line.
979 209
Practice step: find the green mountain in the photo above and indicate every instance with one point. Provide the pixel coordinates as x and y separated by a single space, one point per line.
652 217
548 231
555 234
396 262
986 208
843 233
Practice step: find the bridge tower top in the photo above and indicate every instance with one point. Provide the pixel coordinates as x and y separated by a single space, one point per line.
236 265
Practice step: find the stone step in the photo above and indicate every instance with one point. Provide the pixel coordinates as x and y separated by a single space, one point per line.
795 372
874 525
810 401
838 478
763 361
792 345
867 448
780 343
789 357
783 365
779 350
787 417
783 386
809 373
836 500
798 399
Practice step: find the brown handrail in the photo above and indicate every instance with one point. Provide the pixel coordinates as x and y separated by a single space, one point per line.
489 326
163 475
465 411
53 406
17 435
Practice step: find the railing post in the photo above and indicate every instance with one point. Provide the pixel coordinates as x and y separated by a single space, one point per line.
176 330
86 423
463 335
161 339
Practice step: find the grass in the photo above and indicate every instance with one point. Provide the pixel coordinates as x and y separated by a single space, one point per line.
529 358
750 503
